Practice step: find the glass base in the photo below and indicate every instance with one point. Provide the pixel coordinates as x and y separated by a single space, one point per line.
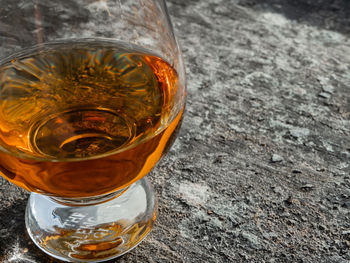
92 233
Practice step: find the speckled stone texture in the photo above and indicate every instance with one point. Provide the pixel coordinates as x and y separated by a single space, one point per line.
260 170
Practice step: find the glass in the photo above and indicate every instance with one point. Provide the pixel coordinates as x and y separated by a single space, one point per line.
92 96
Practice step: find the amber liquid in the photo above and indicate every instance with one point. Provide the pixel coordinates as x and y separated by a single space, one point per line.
84 119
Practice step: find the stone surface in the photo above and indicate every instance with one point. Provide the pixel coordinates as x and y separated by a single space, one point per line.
275 158
255 70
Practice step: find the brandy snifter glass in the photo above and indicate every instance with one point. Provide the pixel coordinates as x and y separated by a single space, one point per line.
92 95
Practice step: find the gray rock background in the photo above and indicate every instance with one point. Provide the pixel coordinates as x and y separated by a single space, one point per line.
260 170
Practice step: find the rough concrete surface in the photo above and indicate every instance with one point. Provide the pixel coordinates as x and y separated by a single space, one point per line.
260 169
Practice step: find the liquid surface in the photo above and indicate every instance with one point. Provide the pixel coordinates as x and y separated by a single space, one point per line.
84 119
